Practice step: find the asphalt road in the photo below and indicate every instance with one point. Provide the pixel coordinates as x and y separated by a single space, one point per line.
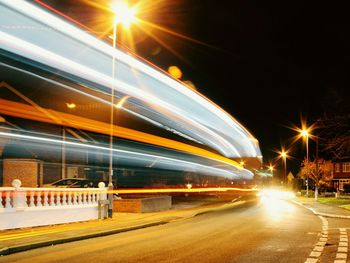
265 231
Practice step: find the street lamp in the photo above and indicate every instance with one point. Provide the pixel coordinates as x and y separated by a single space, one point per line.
305 133
283 156
125 16
271 168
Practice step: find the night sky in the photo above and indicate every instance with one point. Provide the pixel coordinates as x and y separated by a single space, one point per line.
266 63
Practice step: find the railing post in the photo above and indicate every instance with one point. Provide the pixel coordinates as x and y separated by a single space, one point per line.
58 199
46 198
103 193
102 201
64 198
1 206
8 200
38 199
19 197
75 197
52 199
69 198
31 199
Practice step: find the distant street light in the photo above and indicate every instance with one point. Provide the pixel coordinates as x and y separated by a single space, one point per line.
305 133
125 16
283 156
271 168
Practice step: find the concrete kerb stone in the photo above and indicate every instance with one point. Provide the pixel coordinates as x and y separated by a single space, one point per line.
4 251
321 214
20 248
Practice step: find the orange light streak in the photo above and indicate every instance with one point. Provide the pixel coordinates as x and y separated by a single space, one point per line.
182 190
20 110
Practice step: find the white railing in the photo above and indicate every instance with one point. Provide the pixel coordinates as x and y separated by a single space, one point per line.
24 206
11 198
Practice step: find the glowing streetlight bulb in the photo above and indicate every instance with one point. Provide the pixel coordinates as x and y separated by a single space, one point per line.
304 133
283 154
124 14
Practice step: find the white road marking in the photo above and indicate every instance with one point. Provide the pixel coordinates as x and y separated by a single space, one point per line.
342 249
319 247
313 260
315 254
342 255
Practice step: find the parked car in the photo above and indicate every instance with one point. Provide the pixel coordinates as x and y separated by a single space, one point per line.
71 183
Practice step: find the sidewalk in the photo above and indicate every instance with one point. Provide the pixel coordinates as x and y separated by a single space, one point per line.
12 241
328 210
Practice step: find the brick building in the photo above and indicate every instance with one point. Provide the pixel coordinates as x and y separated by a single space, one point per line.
341 175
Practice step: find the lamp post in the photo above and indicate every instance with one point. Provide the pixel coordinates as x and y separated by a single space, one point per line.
283 155
271 168
125 16
317 170
305 133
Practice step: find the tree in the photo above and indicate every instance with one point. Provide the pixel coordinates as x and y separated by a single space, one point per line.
320 172
335 131
334 126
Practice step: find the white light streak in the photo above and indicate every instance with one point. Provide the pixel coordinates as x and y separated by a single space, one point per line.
170 162
206 127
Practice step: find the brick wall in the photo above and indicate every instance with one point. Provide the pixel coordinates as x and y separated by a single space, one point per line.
29 171
127 205
142 205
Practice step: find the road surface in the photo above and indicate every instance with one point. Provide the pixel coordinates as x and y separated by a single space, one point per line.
264 231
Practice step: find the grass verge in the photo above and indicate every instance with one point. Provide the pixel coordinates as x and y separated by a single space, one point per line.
334 201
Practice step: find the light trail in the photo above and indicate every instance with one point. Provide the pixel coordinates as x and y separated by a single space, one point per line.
182 190
193 114
25 111
46 57
98 99
137 157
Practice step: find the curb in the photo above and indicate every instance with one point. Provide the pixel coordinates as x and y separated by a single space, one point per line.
321 214
20 248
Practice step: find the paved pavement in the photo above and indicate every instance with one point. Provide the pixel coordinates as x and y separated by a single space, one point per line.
17 240
327 210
